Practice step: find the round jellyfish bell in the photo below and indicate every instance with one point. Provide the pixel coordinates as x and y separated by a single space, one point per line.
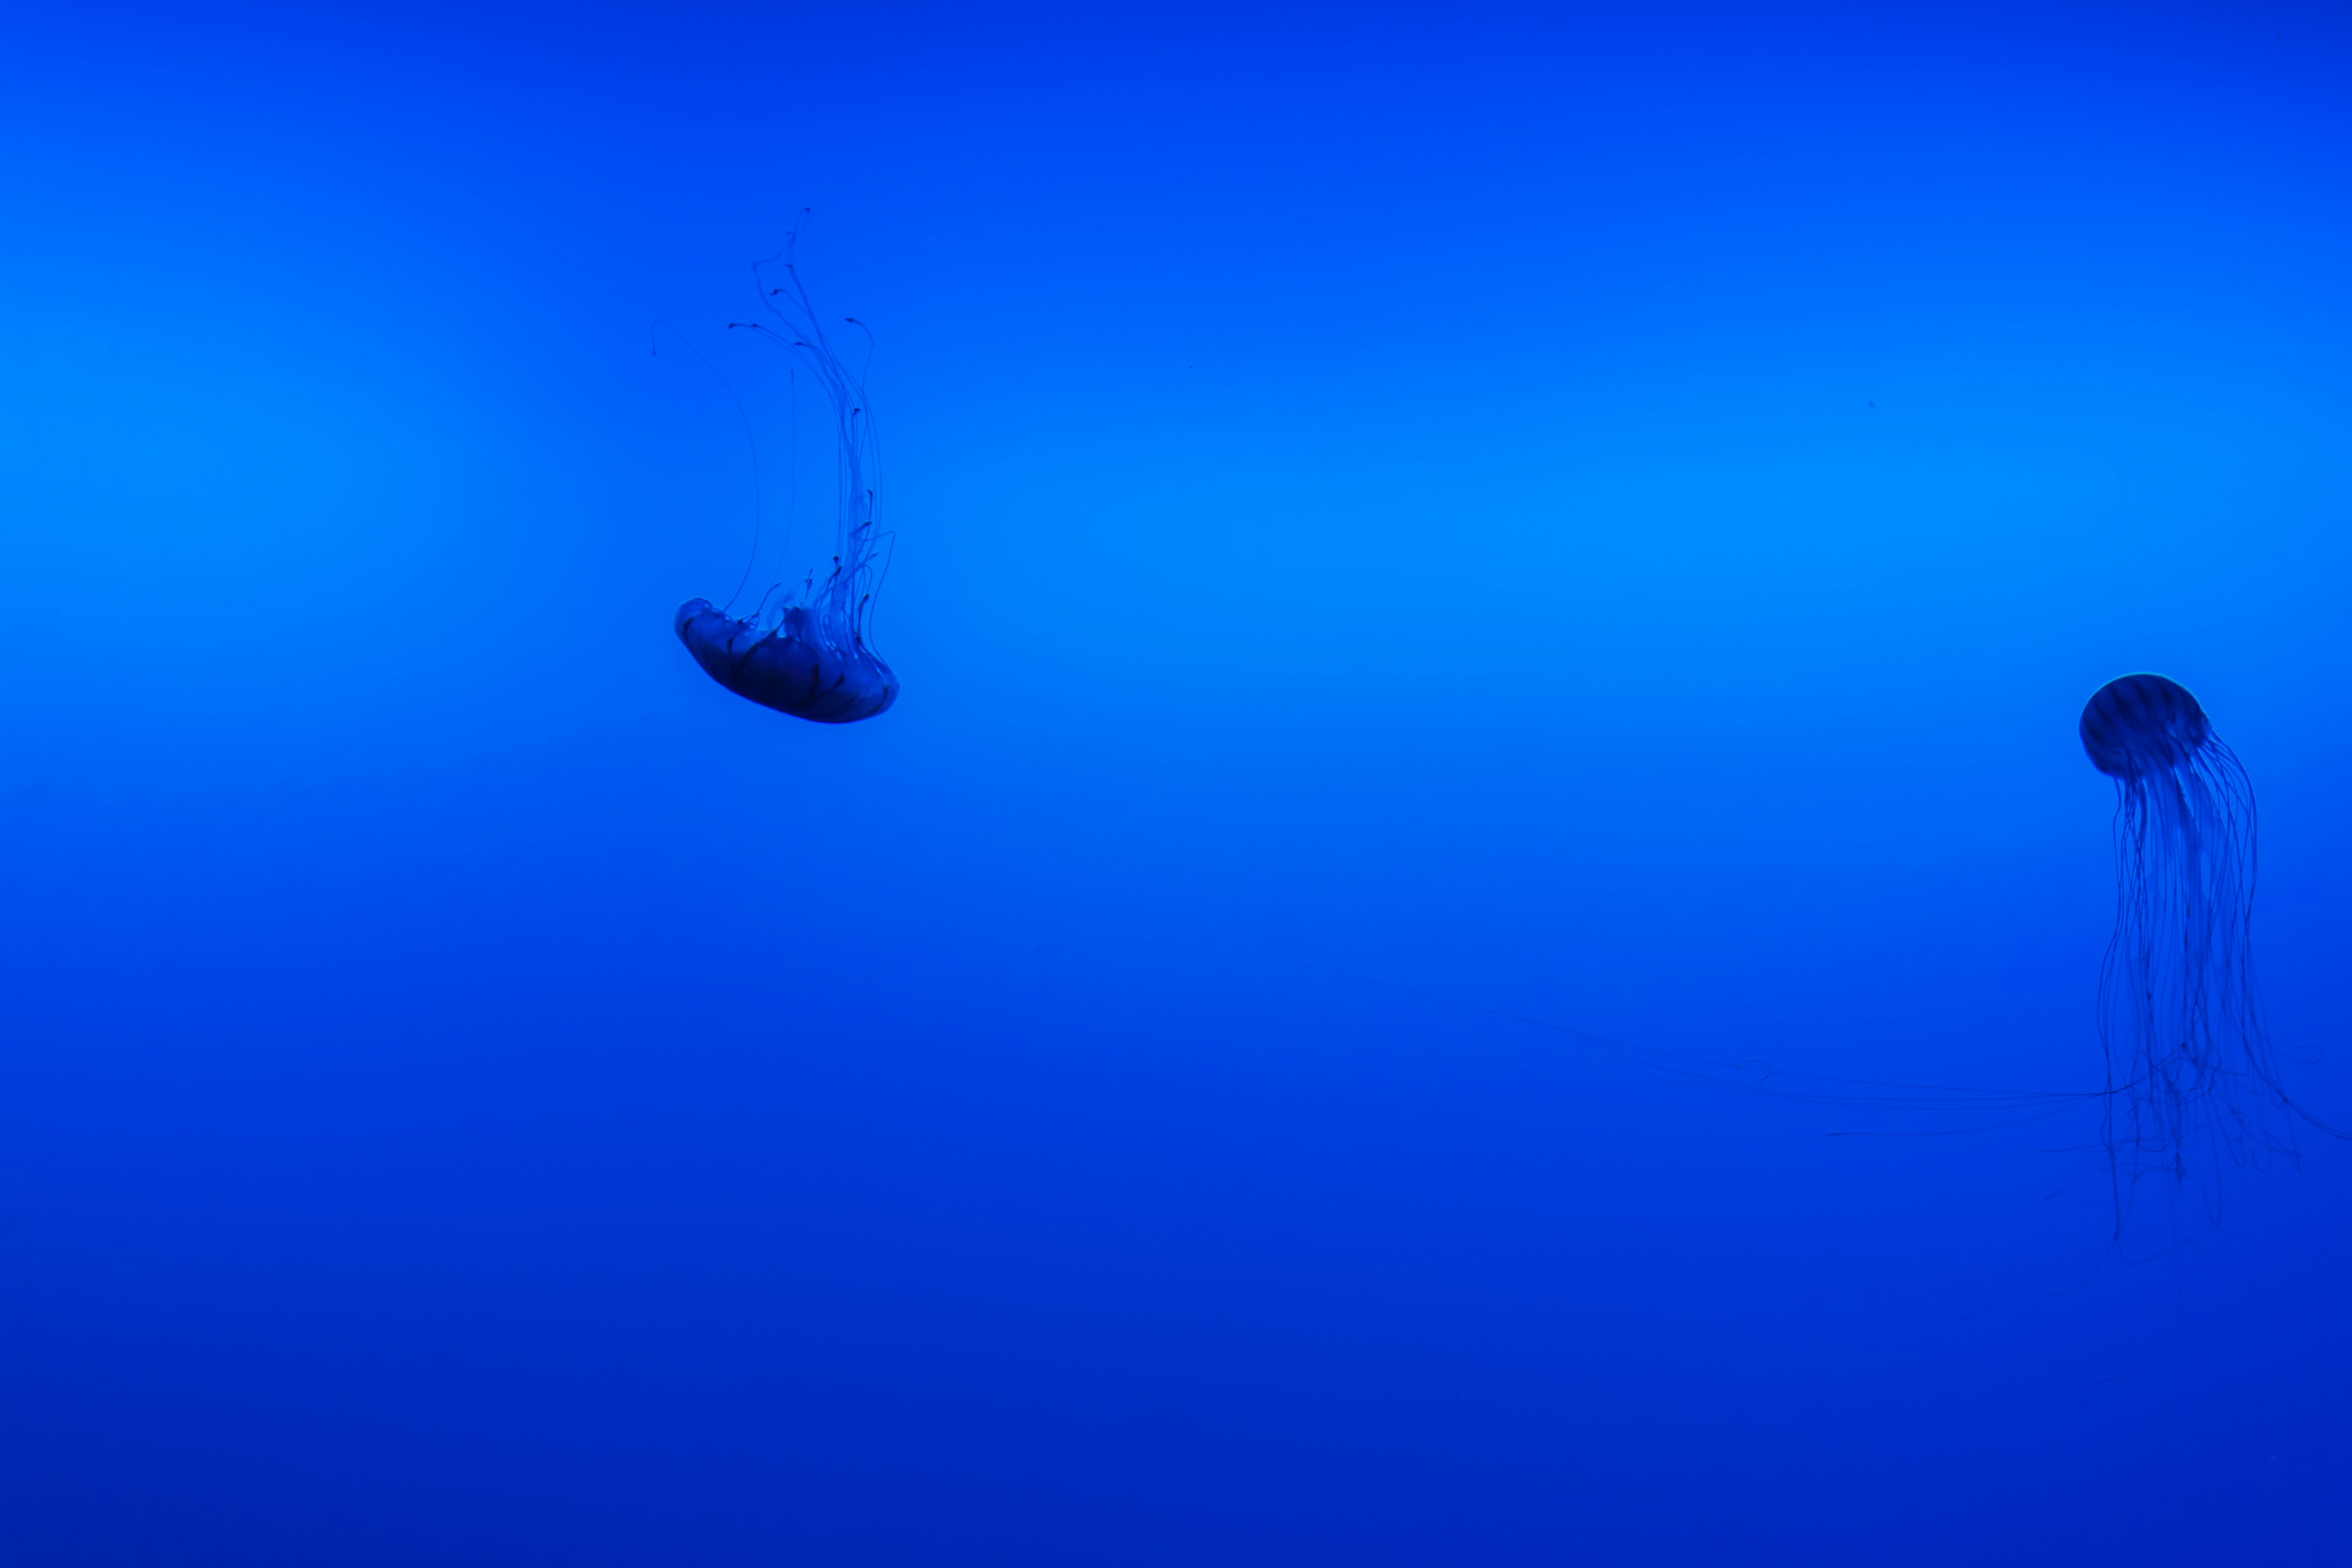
794 669
2137 725
2190 1073
804 652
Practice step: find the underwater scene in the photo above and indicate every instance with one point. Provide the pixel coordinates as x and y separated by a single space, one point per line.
1467 784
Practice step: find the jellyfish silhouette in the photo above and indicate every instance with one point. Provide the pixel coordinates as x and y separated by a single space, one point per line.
2191 1077
803 651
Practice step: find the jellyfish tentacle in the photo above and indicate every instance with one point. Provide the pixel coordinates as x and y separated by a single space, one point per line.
2192 1074
809 653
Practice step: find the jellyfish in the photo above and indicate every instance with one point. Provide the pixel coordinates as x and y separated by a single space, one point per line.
2190 1073
803 650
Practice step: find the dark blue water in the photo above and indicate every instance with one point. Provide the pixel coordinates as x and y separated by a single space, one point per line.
1401 518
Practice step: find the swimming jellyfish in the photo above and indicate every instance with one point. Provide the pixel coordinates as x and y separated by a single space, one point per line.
803 651
2190 1076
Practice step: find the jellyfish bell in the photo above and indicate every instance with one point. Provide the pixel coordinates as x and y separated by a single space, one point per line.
793 668
2137 725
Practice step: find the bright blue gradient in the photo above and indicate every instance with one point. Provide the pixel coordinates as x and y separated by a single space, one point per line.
1610 521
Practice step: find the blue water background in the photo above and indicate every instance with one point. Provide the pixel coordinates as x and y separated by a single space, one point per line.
1608 518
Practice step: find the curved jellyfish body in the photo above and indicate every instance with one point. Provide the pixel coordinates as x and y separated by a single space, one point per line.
792 669
805 651
2190 1073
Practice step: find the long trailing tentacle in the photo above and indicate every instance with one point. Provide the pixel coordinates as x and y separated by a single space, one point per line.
2193 1074
848 587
